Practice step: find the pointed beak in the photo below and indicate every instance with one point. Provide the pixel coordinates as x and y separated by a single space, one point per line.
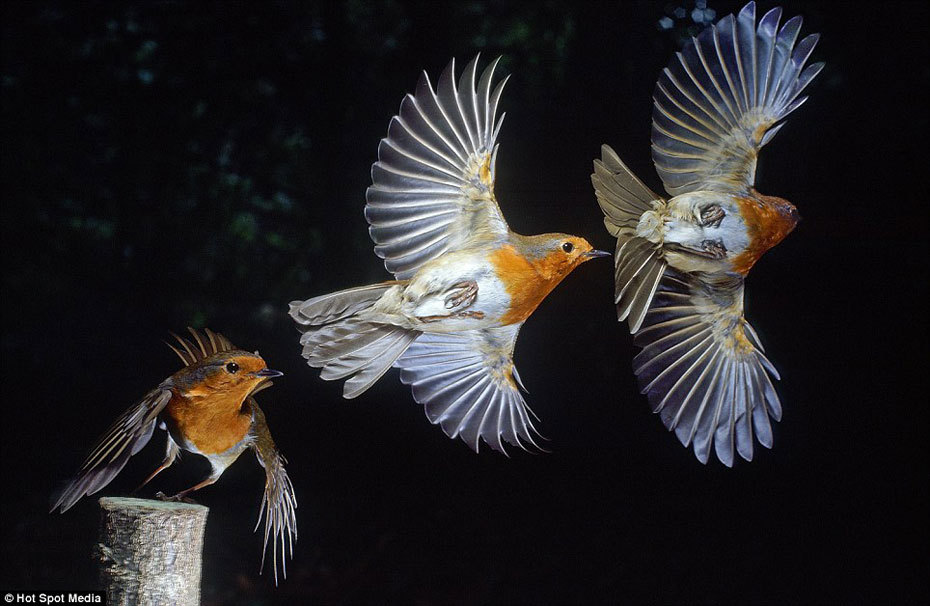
592 254
268 373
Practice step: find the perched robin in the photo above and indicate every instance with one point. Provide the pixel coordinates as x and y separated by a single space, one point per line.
464 282
207 408
681 263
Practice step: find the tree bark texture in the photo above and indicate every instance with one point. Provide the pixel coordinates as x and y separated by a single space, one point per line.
150 551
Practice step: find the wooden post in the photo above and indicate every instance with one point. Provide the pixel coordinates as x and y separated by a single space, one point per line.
150 551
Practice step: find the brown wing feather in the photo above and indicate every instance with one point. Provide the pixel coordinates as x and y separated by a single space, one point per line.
127 436
278 500
204 348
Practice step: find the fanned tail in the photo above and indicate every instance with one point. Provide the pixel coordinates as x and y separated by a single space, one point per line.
639 263
343 345
621 195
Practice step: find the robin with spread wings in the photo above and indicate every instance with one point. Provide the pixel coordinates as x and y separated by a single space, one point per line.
464 283
208 408
681 262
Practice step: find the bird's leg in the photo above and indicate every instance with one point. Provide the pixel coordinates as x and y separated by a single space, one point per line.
712 215
462 294
171 453
209 480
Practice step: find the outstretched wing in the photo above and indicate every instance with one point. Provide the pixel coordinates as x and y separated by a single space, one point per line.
469 386
433 184
703 368
716 105
279 503
127 436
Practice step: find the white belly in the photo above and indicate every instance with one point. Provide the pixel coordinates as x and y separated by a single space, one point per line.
682 225
422 303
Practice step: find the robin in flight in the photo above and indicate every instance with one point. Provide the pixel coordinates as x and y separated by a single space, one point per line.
464 282
207 408
681 263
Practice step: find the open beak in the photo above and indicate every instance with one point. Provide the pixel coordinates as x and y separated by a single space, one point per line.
268 373
592 254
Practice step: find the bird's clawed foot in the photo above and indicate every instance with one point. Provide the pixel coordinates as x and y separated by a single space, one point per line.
712 215
462 294
178 498
714 248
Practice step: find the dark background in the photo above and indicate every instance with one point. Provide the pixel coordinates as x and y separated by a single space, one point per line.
170 164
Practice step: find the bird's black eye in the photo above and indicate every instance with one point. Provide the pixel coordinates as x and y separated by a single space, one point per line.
568 247
232 368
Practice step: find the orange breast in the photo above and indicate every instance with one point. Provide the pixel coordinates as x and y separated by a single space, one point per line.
768 220
526 283
213 424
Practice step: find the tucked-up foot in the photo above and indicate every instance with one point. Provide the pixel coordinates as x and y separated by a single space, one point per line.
462 294
714 248
477 315
712 215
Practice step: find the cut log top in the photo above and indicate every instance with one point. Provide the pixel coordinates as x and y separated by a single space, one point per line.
152 506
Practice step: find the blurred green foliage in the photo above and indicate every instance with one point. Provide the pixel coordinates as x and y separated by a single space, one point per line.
194 158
